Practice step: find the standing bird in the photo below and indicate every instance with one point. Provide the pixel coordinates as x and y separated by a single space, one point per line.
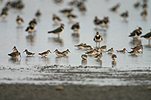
56 19
147 36
60 53
29 53
84 59
110 51
30 29
125 15
15 54
58 30
66 52
38 14
66 11
71 17
98 38
144 13
19 20
115 7
122 51
136 33
138 48
75 27
15 49
113 60
45 53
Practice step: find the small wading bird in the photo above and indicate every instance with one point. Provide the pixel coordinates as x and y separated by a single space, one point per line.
29 53
110 51
14 49
15 53
38 14
98 38
115 7
45 53
19 20
144 13
75 27
30 29
58 30
61 53
122 51
66 11
113 60
147 36
56 19
84 59
71 17
124 15
136 33
4 13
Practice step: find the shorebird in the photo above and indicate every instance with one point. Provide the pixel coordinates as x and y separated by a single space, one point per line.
58 30
84 59
38 14
75 27
15 54
56 19
71 17
144 13
33 22
19 20
87 47
122 51
115 7
98 57
138 48
15 49
80 46
136 33
91 52
125 15
4 13
137 4
147 36
102 48
133 52
113 60
98 38
66 11
30 29
45 53
81 6
60 54
110 51
29 53
66 52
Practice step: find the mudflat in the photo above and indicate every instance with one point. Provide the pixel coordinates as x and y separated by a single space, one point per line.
73 92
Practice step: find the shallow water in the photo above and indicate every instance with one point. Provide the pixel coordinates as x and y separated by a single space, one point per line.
115 36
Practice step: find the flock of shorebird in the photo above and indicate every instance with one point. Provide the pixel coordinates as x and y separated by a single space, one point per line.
90 51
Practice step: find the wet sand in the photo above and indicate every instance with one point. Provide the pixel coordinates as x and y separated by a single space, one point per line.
73 92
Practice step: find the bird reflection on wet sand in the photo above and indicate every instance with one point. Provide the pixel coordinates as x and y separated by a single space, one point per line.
15 60
56 40
59 60
46 60
75 37
136 42
30 39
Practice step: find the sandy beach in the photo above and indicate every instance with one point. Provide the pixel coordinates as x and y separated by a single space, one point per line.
73 92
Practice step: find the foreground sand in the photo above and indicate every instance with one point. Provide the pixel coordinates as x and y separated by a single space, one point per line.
73 92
